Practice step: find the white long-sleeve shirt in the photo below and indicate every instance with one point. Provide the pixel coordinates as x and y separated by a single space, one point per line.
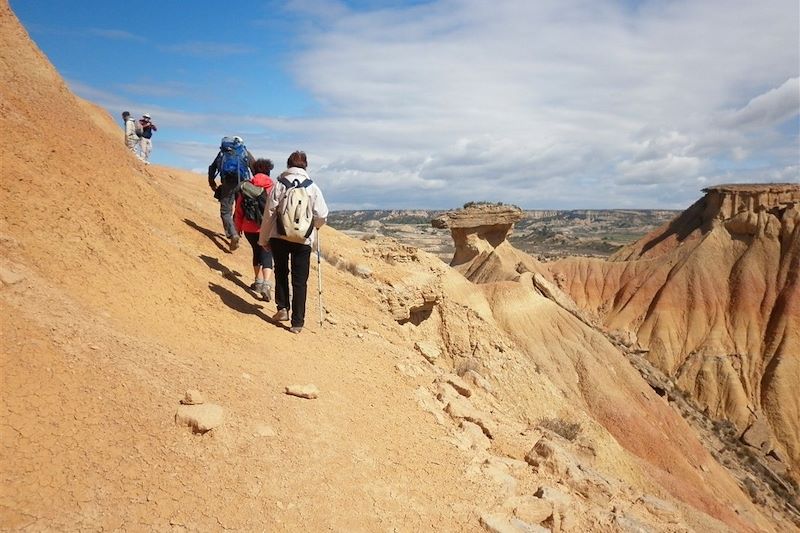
319 209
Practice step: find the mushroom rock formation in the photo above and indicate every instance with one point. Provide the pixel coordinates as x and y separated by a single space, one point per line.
482 253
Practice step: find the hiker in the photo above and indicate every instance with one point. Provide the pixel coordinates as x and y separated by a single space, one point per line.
145 144
233 163
295 211
251 200
131 137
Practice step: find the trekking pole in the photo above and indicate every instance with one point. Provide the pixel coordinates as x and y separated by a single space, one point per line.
319 281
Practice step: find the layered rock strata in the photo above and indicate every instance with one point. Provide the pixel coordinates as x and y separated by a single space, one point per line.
714 298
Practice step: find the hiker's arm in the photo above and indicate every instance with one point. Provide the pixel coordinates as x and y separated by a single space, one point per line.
320 209
213 168
267 219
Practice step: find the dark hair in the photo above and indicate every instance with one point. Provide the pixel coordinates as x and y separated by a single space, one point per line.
126 114
297 159
262 166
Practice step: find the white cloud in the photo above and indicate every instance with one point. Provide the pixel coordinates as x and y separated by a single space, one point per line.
539 95
769 108
117 35
553 103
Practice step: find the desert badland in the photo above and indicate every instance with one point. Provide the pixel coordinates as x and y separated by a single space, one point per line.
652 391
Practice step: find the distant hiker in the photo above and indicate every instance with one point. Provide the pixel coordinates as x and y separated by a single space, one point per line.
295 210
131 136
147 128
251 200
233 164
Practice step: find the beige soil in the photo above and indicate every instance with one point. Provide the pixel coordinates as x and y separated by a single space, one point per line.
118 295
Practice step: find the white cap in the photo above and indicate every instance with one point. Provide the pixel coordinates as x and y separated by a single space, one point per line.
146 115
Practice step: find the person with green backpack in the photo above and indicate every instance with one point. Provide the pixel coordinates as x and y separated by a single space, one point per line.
251 200
233 163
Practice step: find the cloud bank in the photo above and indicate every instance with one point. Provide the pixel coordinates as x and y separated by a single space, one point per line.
546 104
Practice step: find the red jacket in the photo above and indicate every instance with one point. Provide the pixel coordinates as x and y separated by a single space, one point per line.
242 224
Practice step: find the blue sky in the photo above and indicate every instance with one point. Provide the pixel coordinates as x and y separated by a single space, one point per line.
430 104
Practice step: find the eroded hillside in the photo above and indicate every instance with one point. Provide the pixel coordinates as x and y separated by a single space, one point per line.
443 405
714 298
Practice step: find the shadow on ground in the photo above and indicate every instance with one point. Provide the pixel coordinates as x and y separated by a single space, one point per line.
232 275
213 236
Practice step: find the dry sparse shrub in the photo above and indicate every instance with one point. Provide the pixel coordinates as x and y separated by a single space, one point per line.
465 365
559 426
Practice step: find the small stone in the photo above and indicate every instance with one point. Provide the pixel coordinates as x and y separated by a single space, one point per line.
459 384
758 435
529 508
498 523
560 501
246 376
308 392
330 320
461 409
428 350
201 418
192 397
474 437
7 277
362 271
263 430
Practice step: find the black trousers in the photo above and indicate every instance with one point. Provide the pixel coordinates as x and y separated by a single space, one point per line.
300 256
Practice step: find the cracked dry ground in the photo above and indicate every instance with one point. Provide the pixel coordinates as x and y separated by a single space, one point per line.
88 435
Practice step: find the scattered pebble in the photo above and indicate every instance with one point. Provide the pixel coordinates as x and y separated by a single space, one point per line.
192 397
201 418
303 391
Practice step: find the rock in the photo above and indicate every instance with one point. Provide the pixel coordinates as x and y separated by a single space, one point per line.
461 409
498 472
459 385
429 351
660 508
362 271
474 437
192 397
201 418
560 501
409 369
758 435
7 277
308 392
498 523
629 524
479 381
529 509
263 430
330 320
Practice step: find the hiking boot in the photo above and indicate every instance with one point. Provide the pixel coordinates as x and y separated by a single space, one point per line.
281 316
257 287
266 291
234 242
295 329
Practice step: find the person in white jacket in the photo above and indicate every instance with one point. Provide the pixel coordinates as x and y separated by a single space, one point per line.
285 250
131 136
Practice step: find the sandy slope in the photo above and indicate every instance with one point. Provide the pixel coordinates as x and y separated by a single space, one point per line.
118 295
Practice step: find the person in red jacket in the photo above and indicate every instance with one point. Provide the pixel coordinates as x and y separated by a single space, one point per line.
247 218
